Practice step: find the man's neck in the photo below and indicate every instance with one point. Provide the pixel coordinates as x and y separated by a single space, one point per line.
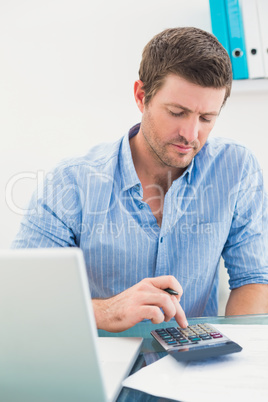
150 169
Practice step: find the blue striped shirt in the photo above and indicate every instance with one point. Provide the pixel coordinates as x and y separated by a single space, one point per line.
218 207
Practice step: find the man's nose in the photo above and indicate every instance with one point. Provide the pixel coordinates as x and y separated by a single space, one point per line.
190 129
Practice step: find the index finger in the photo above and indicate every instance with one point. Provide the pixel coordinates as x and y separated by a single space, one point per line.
180 316
167 281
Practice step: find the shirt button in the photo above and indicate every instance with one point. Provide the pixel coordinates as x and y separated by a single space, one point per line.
141 206
137 187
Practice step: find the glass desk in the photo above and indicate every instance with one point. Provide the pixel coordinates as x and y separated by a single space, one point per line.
151 351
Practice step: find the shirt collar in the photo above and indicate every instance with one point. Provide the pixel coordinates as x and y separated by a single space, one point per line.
188 172
128 172
127 168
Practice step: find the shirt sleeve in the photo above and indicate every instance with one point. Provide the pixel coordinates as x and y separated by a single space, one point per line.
54 213
246 249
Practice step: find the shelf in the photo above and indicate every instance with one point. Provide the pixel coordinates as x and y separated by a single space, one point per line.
244 86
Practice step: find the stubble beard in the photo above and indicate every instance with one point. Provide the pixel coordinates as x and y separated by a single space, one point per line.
163 158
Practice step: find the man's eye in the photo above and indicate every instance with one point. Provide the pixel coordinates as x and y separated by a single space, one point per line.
176 114
205 120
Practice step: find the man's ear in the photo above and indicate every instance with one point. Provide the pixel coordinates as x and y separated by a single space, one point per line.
139 94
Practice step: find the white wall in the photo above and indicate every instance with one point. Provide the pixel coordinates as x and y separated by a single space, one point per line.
66 77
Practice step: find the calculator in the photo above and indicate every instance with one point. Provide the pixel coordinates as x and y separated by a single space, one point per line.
196 342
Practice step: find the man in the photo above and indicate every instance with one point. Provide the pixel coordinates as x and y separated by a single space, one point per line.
158 208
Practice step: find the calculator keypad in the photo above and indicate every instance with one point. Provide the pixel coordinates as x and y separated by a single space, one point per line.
176 337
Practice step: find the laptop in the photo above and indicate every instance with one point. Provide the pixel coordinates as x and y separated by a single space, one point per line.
49 346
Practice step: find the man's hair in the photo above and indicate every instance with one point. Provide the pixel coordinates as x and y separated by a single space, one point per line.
188 52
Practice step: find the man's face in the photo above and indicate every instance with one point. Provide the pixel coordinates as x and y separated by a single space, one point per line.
178 119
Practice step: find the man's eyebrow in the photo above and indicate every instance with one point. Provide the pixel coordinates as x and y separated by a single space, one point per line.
186 109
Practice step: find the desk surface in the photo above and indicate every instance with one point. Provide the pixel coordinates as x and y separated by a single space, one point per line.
151 351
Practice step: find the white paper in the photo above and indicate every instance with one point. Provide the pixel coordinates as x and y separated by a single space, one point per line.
236 377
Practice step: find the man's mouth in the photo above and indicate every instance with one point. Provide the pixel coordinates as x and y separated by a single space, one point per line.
185 149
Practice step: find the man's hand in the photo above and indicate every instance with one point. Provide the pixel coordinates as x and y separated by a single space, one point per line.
142 301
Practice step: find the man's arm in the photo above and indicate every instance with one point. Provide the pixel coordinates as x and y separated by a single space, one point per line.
53 216
145 300
248 299
245 252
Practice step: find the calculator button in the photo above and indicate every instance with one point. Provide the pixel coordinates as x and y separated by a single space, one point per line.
206 328
182 341
205 337
173 331
194 338
216 335
200 332
187 332
194 327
